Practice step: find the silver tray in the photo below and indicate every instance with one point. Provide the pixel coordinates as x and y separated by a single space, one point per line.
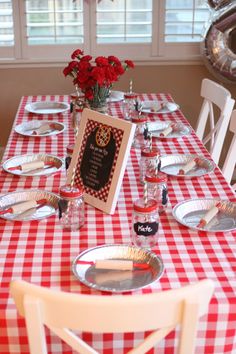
189 213
148 106
115 96
27 128
32 214
171 164
47 107
118 280
179 131
18 160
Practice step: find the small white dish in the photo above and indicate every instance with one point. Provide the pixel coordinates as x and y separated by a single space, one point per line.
171 164
47 107
179 130
52 163
45 211
28 128
115 96
189 213
118 281
158 107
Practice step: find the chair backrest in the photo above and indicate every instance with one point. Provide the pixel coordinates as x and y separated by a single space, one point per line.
64 312
230 161
214 96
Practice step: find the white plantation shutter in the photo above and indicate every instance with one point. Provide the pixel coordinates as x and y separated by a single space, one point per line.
49 30
185 19
54 22
6 24
124 22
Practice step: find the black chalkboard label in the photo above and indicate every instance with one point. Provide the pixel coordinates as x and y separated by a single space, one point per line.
164 195
67 162
62 206
98 157
146 228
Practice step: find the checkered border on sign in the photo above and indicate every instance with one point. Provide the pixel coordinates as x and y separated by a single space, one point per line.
102 194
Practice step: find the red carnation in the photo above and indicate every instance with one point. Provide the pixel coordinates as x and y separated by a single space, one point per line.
101 61
76 53
129 63
86 58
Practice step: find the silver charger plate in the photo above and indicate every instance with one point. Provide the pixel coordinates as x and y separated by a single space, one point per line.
180 130
47 107
32 214
171 164
115 96
189 213
27 128
150 106
18 160
118 280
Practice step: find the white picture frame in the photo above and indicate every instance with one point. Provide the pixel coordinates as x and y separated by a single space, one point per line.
99 158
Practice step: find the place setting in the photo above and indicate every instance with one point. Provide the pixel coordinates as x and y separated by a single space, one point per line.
117 268
158 107
208 214
36 128
28 205
115 96
168 130
33 165
47 107
186 165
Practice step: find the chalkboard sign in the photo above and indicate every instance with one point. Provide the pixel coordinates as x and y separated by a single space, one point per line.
99 158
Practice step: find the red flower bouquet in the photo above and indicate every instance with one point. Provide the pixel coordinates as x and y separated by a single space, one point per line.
95 79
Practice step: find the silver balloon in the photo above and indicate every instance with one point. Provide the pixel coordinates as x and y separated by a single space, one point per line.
217 4
219 44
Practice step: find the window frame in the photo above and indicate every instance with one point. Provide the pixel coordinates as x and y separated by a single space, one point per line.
155 52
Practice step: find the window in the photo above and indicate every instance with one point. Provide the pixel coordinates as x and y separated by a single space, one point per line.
147 30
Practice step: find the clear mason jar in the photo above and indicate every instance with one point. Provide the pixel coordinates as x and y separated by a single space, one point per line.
158 189
69 152
149 162
71 208
129 105
145 223
139 135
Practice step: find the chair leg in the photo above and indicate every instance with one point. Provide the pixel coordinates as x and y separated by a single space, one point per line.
35 327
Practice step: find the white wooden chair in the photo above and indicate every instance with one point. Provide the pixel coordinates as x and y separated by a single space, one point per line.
214 96
230 161
64 312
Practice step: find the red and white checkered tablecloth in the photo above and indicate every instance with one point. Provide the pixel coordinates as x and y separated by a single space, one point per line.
41 252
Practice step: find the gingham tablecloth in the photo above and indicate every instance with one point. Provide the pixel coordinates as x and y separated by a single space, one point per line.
40 252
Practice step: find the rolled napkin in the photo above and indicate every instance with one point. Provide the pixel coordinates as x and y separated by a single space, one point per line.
44 128
168 130
29 166
23 206
156 107
189 166
113 276
113 264
209 215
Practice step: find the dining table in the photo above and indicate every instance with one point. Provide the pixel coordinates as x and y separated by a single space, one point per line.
42 252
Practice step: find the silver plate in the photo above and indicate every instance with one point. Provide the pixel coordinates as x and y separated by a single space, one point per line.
189 213
18 160
171 164
27 128
148 106
179 130
115 96
47 107
32 214
118 280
